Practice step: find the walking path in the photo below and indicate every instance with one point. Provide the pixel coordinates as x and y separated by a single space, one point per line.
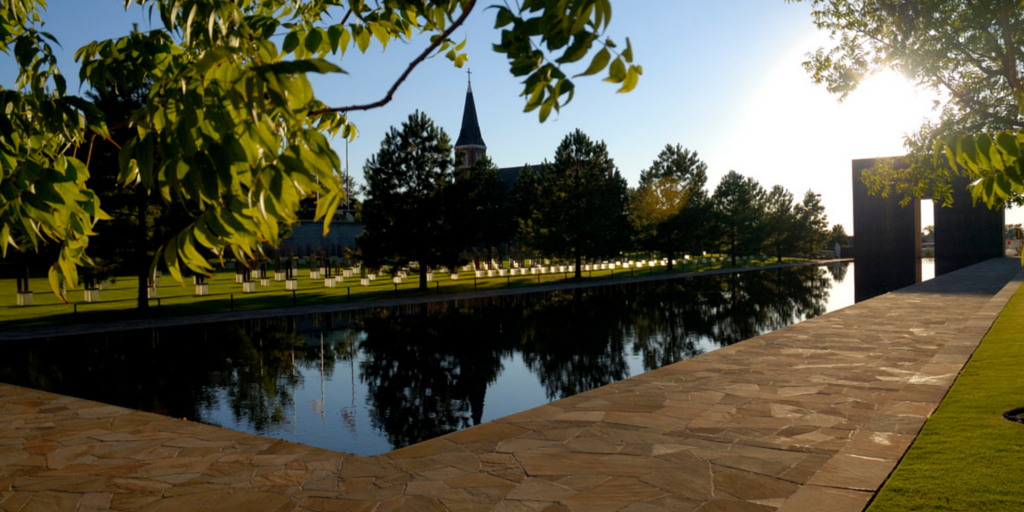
53 331
810 417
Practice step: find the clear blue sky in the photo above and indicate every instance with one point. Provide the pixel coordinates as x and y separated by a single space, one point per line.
721 78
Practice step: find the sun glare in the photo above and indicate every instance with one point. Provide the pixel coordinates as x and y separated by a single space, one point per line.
890 106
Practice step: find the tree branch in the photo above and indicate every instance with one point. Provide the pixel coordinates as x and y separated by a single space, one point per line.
412 65
1010 59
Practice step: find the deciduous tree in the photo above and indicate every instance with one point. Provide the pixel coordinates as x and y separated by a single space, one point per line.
838 236
408 212
659 204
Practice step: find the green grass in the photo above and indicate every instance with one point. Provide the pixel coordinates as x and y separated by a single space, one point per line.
968 457
119 301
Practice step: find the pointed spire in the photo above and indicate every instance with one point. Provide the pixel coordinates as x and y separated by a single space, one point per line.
469 135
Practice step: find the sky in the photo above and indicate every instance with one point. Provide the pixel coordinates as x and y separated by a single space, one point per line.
723 79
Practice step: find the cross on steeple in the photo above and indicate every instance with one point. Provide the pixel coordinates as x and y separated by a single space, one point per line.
470 146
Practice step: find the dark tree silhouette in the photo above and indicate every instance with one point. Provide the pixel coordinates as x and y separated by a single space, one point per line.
580 207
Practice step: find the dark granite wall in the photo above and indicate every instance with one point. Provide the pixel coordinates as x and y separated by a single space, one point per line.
966 234
888 239
889 236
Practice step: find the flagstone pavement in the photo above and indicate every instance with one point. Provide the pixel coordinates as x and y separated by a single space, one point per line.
810 417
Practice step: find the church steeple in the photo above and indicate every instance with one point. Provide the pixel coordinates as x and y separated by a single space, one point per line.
470 145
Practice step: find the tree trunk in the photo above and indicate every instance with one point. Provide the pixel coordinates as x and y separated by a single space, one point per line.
142 254
670 253
579 268
732 251
423 277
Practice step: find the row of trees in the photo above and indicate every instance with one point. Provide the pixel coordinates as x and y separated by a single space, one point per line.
419 207
673 212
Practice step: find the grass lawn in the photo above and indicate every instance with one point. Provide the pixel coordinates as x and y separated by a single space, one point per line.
968 457
226 295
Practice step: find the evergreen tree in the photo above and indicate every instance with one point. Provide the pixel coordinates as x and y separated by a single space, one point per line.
739 208
781 236
812 224
410 189
581 202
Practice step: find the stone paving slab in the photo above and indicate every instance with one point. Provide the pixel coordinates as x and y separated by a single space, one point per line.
811 417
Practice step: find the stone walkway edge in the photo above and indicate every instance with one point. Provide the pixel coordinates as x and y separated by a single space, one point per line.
54 331
810 417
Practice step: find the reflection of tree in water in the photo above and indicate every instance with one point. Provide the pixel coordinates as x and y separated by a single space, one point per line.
838 271
758 302
574 341
426 375
182 372
670 319
257 379
135 370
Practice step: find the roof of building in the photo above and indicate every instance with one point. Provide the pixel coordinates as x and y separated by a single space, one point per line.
509 175
469 135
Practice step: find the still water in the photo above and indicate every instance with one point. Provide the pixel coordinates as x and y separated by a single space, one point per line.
380 379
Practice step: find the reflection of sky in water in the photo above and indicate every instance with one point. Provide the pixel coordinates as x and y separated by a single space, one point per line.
334 411
927 269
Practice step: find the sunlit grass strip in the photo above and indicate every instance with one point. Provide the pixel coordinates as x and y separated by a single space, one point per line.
968 457
226 295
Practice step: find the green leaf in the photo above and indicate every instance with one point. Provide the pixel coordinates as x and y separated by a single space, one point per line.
597 63
346 38
291 42
1008 144
56 280
616 72
632 77
334 36
545 110
1013 173
171 258
504 17
5 237
381 34
313 40
363 39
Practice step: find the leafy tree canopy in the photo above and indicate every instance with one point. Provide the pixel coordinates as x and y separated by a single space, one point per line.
231 128
408 212
838 236
968 50
667 200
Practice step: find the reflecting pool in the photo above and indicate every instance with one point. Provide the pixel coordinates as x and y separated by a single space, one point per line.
378 379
